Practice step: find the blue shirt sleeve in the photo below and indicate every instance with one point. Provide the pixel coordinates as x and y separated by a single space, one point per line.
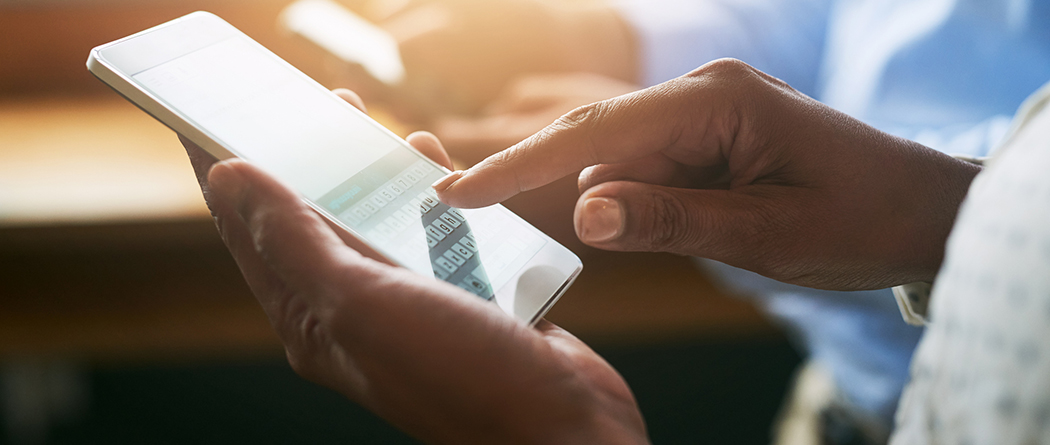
781 37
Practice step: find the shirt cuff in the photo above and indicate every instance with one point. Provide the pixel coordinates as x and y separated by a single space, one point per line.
913 299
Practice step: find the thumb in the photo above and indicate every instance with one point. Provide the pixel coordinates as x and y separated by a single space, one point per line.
639 217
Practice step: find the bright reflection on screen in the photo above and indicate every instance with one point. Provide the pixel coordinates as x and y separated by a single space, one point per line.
265 112
251 102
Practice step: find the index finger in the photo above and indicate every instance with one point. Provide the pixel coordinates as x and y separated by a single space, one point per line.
621 129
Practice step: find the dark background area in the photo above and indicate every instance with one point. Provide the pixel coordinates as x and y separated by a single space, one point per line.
692 392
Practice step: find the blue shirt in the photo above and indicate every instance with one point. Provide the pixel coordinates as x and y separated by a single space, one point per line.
925 69
946 73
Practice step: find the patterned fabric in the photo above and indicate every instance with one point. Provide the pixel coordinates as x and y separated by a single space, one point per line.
981 374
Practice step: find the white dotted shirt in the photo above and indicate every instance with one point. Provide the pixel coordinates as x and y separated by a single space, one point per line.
981 374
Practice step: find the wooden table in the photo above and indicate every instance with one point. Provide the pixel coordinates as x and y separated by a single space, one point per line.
107 252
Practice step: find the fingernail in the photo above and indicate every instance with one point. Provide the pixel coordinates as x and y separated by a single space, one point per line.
446 182
226 183
601 219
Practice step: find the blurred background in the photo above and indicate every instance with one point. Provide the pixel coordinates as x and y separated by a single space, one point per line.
124 320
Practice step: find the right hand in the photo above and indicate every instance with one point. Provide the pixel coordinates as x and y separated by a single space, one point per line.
731 164
526 106
459 54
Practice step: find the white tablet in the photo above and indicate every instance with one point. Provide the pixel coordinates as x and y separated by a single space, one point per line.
219 88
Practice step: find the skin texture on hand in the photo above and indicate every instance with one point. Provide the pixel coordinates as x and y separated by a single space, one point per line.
731 164
430 358
526 106
460 54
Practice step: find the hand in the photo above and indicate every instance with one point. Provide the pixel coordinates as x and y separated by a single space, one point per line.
731 164
428 357
459 54
526 106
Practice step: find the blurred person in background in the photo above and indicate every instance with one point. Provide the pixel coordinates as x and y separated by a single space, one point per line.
486 74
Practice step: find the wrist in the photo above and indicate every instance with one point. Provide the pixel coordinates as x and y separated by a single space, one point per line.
913 299
947 181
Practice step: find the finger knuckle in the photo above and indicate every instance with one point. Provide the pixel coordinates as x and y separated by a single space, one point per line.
269 227
727 68
729 76
666 228
305 334
586 116
587 120
302 324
